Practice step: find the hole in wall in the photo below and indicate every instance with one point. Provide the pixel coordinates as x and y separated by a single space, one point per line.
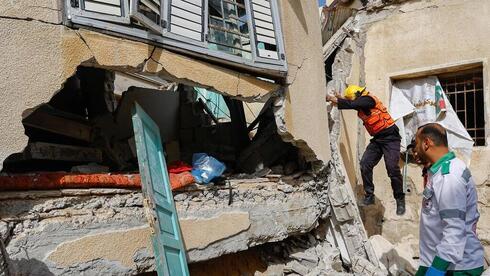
86 127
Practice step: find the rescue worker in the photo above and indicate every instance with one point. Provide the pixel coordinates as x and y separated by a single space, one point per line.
448 241
385 141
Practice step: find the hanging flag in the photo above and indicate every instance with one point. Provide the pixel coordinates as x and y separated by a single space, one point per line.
440 103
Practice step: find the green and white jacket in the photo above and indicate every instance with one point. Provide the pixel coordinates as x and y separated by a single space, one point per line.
449 216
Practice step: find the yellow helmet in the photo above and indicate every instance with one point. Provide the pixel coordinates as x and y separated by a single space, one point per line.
354 91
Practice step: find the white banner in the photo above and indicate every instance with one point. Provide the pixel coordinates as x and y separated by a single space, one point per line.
420 101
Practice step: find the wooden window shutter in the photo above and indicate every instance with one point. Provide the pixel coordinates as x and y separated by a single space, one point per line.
149 13
105 10
266 37
187 19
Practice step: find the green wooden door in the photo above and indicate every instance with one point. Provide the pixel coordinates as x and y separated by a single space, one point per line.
170 256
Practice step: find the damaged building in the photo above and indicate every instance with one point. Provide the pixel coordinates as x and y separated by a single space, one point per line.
393 47
106 104
109 104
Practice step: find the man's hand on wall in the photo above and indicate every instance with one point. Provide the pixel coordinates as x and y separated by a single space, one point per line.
332 99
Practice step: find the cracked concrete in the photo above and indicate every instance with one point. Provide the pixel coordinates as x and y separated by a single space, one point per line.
45 11
59 50
303 121
46 229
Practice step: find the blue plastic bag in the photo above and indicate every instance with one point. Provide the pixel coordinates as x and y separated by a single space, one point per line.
205 168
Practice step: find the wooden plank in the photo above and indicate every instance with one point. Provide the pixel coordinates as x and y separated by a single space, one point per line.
186 24
187 15
187 6
56 152
186 32
102 8
57 124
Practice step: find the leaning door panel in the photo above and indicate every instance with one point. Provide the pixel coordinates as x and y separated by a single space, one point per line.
170 258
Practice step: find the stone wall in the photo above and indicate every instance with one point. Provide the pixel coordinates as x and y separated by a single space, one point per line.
392 39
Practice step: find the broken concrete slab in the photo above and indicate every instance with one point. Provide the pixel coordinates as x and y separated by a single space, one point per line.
50 151
397 259
199 233
173 67
116 246
61 123
210 227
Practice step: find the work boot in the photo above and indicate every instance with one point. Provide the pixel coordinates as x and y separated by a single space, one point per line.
368 200
400 206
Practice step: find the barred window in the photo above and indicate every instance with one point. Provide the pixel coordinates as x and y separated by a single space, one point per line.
465 92
228 27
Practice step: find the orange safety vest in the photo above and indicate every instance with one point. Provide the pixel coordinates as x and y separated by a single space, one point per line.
379 118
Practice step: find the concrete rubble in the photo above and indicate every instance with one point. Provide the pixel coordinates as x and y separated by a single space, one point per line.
394 259
96 219
293 217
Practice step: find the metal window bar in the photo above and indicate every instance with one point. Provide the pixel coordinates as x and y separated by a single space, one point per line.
465 92
224 20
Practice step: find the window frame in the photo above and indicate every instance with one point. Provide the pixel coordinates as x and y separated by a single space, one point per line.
183 40
246 21
475 128
79 11
278 32
158 29
186 45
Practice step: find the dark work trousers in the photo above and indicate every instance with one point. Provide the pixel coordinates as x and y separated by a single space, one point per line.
389 147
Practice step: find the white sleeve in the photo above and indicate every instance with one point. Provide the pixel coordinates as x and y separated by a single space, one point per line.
452 211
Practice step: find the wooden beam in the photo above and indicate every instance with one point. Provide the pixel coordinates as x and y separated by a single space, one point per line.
56 152
55 122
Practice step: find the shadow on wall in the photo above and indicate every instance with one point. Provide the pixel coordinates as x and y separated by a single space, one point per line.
298 10
372 216
347 157
29 267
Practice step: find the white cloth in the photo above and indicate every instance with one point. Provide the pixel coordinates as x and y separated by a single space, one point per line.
449 217
420 101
